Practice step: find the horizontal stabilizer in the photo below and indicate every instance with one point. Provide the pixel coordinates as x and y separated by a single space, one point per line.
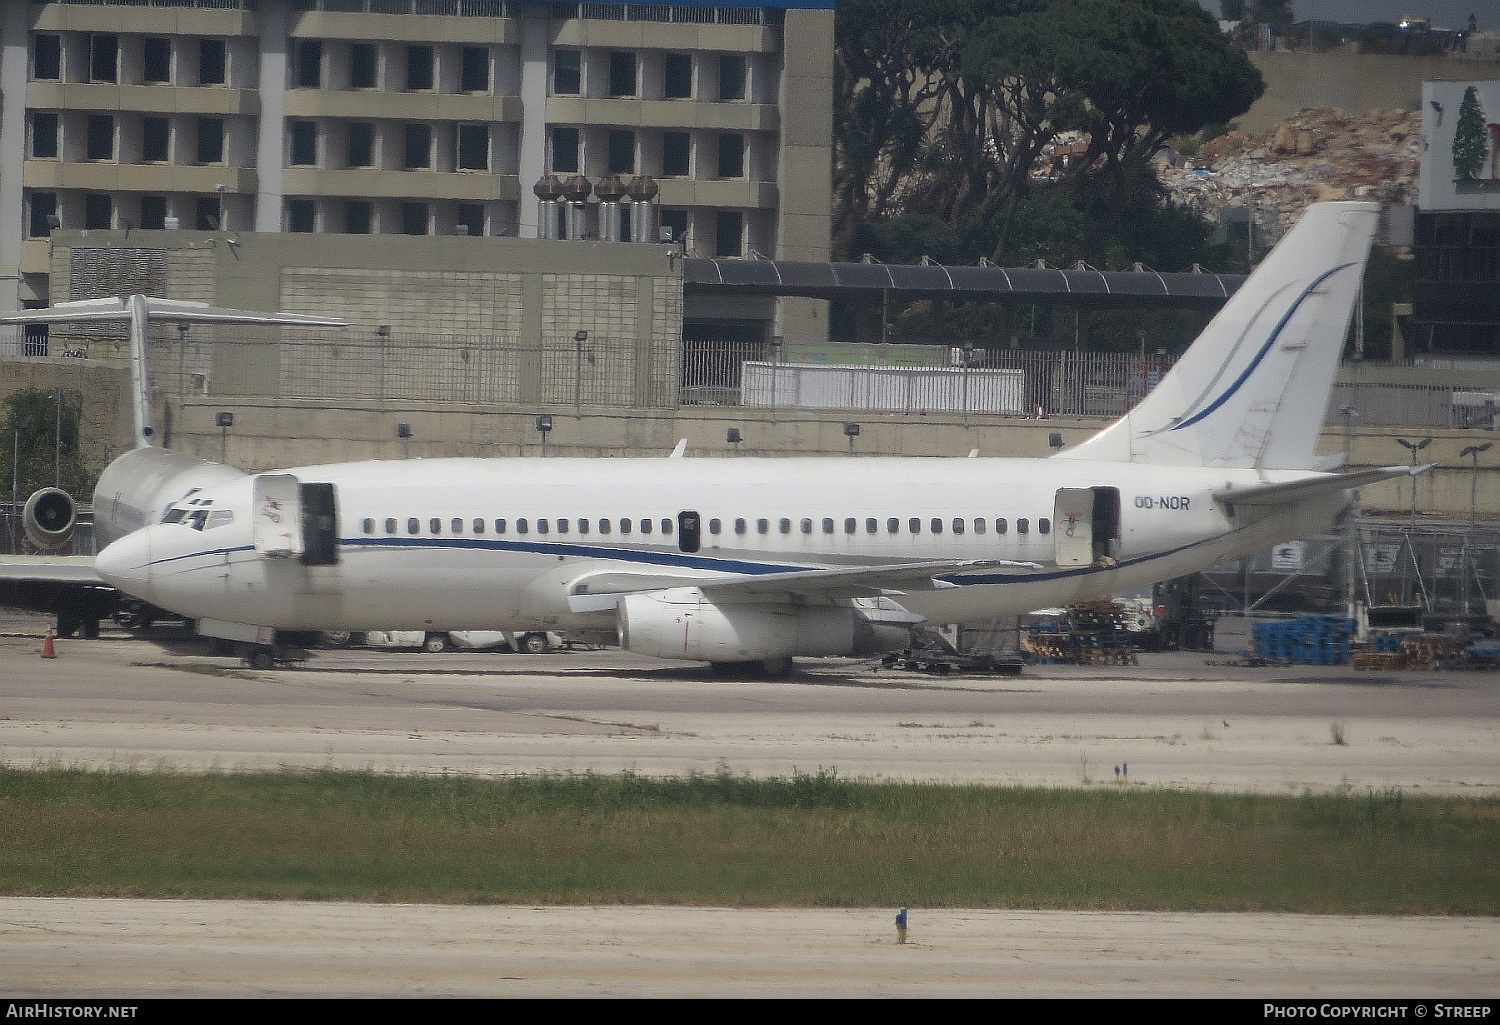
1289 492
50 569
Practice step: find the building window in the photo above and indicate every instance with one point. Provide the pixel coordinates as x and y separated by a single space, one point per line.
156 60
473 147
104 58
731 155
361 150
210 140
674 154
474 75
674 226
567 72
101 137
98 211
414 218
153 212
156 137
301 216
621 152
46 58
730 228
206 213
363 61
304 143
677 76
621 73
43 213
418 68
564 149
470 219
418 147
307 64
44 134
732 76
359 217
213 62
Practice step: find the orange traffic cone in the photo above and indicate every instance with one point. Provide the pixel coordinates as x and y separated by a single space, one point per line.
48 650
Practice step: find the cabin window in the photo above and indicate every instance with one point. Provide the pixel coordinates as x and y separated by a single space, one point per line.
499 526
1044 526
828 524
435 525
937 525
762 526
806 525
893 525
645 526
521 525
604 526
979 525
457 525
1001 526
915 525
562 524
740 526
666 526
390 525
624 526
714 526
784 525
958 524
413 525
583 525
369 526
478 525
542 526
850 524
1023 525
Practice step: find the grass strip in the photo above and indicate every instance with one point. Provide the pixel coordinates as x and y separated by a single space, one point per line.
813 840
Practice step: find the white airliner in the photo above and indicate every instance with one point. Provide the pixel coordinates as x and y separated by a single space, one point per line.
751 562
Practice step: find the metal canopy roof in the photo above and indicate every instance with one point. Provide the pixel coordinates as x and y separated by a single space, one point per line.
934 281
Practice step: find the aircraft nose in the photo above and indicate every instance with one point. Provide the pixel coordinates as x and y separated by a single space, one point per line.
126 564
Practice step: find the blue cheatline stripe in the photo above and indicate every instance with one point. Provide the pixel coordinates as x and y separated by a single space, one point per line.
1270 341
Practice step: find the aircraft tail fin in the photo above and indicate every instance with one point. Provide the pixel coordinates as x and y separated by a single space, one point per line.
1252 390
137 310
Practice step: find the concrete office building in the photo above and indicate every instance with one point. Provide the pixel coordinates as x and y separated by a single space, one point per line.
708 125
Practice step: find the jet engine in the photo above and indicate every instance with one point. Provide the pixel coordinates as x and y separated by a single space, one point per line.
682 623
49 518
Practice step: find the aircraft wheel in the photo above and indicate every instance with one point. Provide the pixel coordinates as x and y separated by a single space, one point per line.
337 638
67 624
776 668
90 629
534 643
435 643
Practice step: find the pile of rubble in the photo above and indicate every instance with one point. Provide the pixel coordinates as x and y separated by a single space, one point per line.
1320 154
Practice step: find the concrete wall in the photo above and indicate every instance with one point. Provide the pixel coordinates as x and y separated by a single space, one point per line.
106 426
1354 82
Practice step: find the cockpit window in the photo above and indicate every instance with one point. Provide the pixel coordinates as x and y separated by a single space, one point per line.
198 518
219 518
174 515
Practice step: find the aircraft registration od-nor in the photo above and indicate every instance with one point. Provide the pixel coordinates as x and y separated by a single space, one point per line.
751 562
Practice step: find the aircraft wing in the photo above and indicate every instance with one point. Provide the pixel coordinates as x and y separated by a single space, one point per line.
1307 487
55 584
602 591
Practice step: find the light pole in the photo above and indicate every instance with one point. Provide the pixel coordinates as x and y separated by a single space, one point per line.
579 338
224 420
403 431
734 438
544 427
1414 447
851 431
1350 548
57 400
1472 451
182 333
776 341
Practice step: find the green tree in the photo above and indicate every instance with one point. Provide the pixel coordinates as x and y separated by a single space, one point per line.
1468 137
949 107
47 445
